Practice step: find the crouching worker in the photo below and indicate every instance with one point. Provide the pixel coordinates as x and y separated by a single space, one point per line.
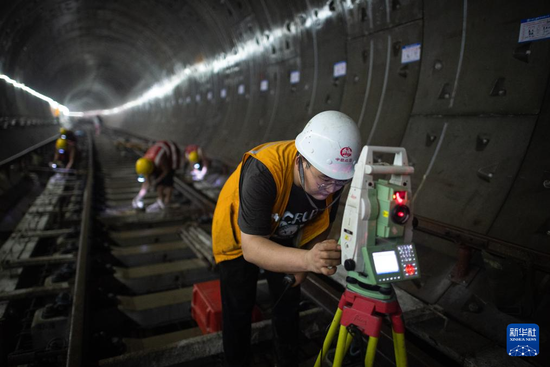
65 154
65 133
275 213
156 170
196 162
200 167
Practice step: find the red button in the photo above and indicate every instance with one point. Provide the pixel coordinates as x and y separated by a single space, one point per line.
409 269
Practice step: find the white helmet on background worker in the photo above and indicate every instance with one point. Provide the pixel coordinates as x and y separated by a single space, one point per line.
331 142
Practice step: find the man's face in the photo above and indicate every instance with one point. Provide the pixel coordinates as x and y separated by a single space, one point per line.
319 185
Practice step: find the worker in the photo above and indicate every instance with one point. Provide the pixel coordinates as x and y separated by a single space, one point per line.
98 123
65 133
275 212
196 162
65 154
199 166
156 170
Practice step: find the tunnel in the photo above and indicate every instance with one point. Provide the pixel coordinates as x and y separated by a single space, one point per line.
462 85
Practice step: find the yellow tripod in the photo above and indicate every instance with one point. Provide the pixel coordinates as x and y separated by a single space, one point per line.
366 314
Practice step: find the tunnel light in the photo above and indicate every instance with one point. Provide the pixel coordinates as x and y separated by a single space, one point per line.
53 104
322 14
245 50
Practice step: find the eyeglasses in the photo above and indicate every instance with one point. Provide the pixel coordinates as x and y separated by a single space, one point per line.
302 181
327 183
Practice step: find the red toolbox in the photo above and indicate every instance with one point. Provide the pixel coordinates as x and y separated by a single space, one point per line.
206 307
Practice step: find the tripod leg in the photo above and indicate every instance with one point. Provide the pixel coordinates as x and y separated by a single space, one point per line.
395 349
341 346
371 351
398 333
349 339
400 350
330 337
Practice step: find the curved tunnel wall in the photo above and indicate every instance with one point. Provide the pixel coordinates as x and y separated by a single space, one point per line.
472 112
24 121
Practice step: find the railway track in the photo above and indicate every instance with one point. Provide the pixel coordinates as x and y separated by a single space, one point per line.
88 280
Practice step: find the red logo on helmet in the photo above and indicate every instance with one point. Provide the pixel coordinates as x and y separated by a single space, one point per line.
345 152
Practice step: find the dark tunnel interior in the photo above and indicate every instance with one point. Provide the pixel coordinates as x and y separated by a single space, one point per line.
462 85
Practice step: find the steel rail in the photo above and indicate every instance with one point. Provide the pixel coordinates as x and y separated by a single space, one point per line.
34 292
37 260
28 150
193 195
537 259
76 332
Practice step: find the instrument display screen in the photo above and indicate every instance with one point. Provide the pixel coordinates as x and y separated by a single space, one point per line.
385 262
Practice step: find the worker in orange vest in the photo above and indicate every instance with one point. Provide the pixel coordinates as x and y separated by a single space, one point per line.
275 213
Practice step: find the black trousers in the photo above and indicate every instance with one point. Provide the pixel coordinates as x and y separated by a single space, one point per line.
238 289
167 181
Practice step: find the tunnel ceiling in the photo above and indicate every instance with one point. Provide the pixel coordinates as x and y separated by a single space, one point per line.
98 54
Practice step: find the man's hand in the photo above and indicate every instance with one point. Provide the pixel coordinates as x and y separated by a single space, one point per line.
198 175
300 278
324 257
137 203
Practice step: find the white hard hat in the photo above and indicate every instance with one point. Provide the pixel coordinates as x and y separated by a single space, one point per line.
331 142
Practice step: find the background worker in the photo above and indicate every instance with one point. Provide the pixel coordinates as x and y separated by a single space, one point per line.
65 133
156 169
196 162
98 123
204 168
65 154
275 213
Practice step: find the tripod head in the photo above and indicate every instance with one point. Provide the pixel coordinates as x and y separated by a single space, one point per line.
376 235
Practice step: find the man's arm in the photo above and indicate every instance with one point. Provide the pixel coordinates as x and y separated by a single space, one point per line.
319 238
204 161
145 186
301 277
164 170
258 191
72 153
271 256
